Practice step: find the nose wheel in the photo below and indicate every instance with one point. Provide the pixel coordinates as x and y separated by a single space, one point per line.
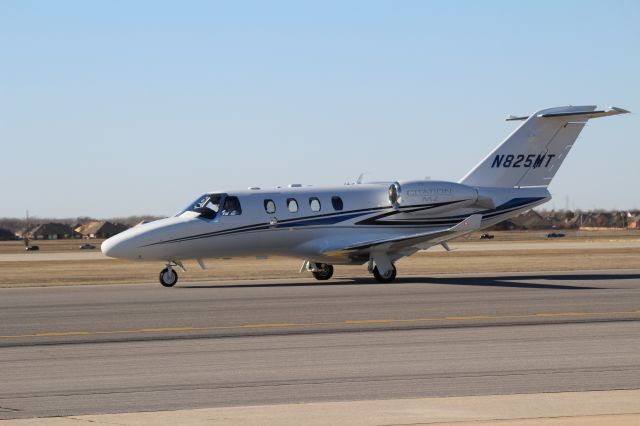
168 277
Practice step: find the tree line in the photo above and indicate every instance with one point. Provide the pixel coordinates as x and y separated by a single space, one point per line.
15 224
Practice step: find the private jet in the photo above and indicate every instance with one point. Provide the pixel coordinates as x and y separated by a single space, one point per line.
363 223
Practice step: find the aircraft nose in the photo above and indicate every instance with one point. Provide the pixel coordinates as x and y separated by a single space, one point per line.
117 247
141 242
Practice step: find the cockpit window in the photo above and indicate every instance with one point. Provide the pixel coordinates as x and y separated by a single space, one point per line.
207 205
231 207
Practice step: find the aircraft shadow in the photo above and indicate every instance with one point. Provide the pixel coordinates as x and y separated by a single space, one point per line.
509 281
342 282
516 280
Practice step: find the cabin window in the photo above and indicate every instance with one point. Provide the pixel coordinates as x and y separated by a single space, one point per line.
269 206
314 203
337 203
231 207
292 205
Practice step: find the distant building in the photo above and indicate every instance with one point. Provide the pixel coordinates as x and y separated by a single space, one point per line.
7 235
603 220
531 220
101 229
50 231
527 220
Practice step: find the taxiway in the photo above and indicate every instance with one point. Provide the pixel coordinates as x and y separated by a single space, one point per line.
120 348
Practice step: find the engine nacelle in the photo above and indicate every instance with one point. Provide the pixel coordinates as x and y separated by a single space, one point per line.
421 192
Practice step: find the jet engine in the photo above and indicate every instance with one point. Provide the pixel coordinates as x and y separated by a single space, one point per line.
445 195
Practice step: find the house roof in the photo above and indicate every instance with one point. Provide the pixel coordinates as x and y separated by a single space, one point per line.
101 227
51 229
7 234
531 219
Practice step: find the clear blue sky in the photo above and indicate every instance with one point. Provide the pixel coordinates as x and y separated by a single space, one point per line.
118 108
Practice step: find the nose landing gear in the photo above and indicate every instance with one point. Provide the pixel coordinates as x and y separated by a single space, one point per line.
168 276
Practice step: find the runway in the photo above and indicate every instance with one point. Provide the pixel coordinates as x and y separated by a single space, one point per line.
127 348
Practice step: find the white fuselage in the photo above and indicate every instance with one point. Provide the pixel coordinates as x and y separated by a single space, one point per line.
325 218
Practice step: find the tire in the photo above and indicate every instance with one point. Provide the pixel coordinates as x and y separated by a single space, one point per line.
324 272
385 279
168 279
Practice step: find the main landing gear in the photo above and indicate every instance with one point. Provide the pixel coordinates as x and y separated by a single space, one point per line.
382 267
320 271
324 271
386 277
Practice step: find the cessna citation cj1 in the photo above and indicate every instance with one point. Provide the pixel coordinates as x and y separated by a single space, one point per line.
372 223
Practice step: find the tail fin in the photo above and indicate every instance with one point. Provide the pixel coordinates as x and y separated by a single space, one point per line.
532 154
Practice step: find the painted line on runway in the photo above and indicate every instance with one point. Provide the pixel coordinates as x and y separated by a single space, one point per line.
316 324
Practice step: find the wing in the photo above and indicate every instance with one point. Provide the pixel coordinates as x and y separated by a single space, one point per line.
403 242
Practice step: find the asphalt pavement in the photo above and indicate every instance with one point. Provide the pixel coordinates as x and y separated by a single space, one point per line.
127 348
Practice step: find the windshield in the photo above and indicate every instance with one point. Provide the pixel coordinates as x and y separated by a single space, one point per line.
207 205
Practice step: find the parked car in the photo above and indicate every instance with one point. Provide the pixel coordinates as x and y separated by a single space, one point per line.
555 235
32 248
486 237
87 246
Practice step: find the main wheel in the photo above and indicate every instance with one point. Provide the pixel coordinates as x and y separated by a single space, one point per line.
324 271
387 278
168 278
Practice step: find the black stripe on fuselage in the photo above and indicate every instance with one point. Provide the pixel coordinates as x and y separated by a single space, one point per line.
319 220
375 220
302 221
511 205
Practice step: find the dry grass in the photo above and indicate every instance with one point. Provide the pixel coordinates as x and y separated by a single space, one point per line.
103 271
519 258
7 247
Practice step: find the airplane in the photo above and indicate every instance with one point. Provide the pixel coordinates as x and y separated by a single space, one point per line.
363 223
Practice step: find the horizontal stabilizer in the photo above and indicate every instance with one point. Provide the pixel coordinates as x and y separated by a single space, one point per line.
587 114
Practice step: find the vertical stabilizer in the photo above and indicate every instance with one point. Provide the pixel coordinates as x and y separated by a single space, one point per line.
532 154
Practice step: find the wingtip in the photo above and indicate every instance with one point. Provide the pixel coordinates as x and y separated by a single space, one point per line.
619 110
